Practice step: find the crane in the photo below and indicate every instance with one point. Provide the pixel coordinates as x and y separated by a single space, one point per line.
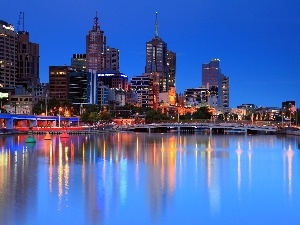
21 17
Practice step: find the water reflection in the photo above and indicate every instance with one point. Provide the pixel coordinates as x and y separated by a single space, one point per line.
106 176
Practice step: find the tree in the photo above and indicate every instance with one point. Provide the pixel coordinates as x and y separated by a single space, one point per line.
105 116
202 113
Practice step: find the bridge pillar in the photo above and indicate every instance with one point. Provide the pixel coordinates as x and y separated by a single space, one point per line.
9 123
178 129
32 123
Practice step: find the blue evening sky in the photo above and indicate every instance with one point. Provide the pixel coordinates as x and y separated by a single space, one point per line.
257 41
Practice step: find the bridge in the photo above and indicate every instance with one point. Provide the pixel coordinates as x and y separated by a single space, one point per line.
11 121
209 127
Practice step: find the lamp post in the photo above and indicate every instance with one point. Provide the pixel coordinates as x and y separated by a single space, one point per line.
59 110
46 104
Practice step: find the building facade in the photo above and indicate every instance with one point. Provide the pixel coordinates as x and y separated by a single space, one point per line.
8 54
77 86
113 79
79 61
112 59
211 73
59 83
28 74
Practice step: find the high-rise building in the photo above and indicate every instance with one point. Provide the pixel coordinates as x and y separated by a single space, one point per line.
8 54
171 62
213 79
112 59
96 48
224 92
77 86
58 82
79 61
211 73
146 87
157 59
27 63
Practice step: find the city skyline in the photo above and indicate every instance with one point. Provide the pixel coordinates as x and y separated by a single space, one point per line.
256 42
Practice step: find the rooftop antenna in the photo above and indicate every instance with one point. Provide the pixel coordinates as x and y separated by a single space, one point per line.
156 26
96 24
23 22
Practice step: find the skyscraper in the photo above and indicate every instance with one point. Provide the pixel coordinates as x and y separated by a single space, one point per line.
28 63
112 59
156 59
8 54
171 62
216 82
211 73
96 48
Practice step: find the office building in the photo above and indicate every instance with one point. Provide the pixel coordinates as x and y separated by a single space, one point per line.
27 63
77 86
58 82
146 87
224 92
171 63
213 78
112 59
157 59
96 48
113 79
8 54
79 61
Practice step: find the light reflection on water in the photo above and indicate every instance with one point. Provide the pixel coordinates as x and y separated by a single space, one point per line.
130 178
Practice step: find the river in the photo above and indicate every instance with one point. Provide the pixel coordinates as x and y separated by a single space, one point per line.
144 178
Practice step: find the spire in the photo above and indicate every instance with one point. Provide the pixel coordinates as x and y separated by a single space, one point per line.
156 26
96 24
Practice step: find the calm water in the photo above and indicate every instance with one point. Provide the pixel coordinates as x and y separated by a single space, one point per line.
128 178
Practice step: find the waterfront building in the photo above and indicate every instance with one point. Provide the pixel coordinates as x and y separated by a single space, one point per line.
112 59
146 87
131 97
8 54
116 97
21 104
196 97
79 61
96 48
